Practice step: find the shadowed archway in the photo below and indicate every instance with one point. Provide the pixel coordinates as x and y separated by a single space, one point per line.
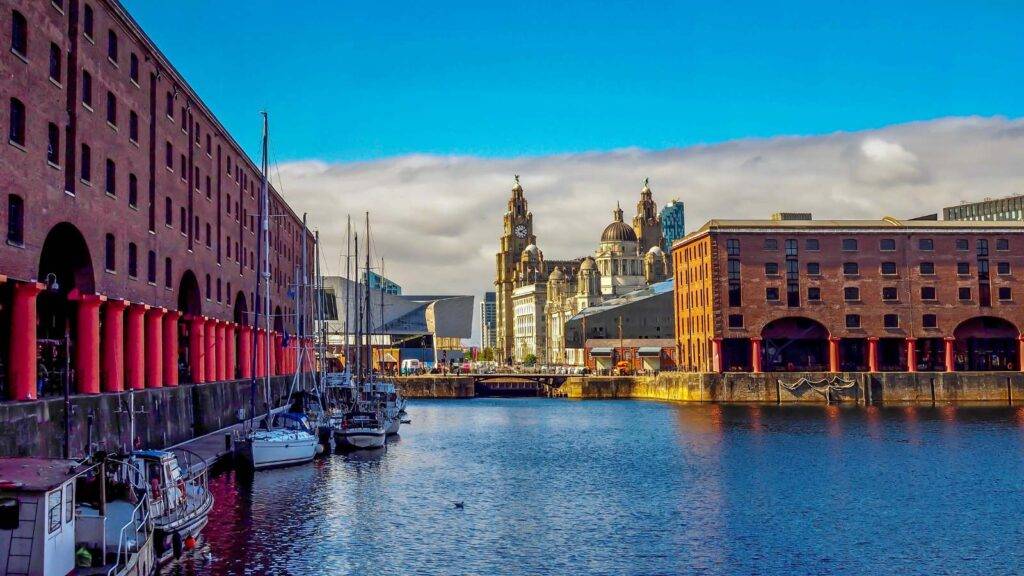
987 343
794 343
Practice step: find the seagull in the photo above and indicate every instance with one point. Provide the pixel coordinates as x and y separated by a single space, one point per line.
460 505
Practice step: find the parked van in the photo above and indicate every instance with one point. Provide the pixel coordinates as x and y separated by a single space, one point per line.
411 366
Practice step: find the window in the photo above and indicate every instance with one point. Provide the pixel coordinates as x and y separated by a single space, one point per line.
184 221
927 293
771 269
133 191
1004 293
812 244
771 294
813 268
54 508
851 268
87 22
209 149
982 247
169 110
167 273
925 244
791 248
851 293
87 89
732 247
889 293
195 229
209 237
927 268
55 62
133 260
964 293
19 34
85 170
209 189
735 320
151 267
889 268
219 293
169 156
887 244
15 219
111 178
112 46
1003 268
850 244
133 126
1002 244
110 260
813 293
53 144
16 133
111 109
133 68
962 244
168 218
891 321
184 168
929 321
963 268
208 287
853 320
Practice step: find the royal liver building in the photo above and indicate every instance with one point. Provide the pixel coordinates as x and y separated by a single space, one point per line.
535 296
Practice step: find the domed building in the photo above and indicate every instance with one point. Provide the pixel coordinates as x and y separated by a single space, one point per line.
619 259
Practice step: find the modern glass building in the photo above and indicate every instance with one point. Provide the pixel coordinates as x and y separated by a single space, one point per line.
1001 209
488 321
673 223
376 281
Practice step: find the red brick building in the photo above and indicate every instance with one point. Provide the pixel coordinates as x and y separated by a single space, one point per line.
130 215
849 295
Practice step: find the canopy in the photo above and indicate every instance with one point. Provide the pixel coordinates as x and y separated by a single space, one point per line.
600 351
649 351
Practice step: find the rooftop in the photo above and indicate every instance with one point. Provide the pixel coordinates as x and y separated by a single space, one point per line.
37 474
641 294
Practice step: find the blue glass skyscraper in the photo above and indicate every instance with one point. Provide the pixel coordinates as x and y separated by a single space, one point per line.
673 223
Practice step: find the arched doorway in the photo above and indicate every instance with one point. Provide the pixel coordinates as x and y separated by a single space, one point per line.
987 343
65 265
240 315
278 320
794 344
190 304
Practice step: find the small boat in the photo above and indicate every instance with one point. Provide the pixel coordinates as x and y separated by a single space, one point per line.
180 500
391 402
289 440
361 430
66 517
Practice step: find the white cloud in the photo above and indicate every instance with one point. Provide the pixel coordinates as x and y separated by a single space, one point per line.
436 219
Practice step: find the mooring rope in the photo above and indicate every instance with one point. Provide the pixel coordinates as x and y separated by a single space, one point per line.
825 386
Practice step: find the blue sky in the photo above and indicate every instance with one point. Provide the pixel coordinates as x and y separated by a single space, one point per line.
365 80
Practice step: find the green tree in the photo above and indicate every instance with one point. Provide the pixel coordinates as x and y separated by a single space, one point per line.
487 355
530 359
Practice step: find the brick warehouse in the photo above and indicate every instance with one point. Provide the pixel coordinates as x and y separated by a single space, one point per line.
849 295
131 215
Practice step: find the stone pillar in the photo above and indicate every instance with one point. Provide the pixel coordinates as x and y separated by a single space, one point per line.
210 343
261 354
833 354
245 351
911 354
755 354
22 364
716 355
135 341
113 346
170 347
872 354
87 344
230 358
950 356
197 349
155 348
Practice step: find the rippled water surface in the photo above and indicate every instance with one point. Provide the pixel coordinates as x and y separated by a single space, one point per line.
623 487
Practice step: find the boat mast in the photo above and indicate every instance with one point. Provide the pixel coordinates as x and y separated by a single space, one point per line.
318 302
381 355
369 332
359 317
265 193
300 308
348 280
259 258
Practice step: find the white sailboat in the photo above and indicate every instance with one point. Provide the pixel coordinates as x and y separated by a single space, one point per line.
285 438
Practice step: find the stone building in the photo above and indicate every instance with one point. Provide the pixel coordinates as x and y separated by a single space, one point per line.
849 295
131 215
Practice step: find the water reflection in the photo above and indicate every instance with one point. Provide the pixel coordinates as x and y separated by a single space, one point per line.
616 487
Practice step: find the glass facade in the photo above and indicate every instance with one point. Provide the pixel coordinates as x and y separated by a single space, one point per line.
673 224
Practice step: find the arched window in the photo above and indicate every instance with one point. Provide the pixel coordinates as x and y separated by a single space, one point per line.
110 260
168 273
151 267
208 286
133 260
19 34
85 171
16 133
15 219
111 178
133 191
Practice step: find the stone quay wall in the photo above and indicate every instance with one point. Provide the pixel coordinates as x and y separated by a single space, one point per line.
436 386
881 387
163 417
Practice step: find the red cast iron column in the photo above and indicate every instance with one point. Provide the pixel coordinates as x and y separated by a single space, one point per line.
22 365
113 345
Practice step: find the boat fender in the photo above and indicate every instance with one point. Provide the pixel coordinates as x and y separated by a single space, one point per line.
320 449
190 543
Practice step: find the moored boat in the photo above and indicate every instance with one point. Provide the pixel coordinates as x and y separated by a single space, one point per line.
288 441
361 430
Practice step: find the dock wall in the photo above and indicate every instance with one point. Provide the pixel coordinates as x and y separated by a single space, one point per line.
436 387
162 417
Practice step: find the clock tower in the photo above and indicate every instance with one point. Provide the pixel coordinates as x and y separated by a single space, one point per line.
516 236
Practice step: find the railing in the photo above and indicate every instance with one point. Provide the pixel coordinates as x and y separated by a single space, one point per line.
139 525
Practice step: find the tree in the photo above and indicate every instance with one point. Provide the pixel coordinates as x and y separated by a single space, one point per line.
487 355
530 359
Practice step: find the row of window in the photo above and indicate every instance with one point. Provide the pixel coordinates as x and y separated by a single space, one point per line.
886 268
889 293
854 321
110 263
732 245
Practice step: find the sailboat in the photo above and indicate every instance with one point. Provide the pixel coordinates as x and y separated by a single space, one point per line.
284 438
365 425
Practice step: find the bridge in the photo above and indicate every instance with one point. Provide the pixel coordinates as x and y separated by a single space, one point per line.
505 385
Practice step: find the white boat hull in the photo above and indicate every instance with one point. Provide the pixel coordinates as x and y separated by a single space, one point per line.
362 438
394 424
273 452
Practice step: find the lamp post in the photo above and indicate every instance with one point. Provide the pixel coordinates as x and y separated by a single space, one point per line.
53 286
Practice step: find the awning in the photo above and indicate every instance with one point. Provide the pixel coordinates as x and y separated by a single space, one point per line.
649 351
600 351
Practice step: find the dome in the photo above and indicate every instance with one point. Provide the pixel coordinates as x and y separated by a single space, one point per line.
530 253
618 232
556 274
656 250
588 264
